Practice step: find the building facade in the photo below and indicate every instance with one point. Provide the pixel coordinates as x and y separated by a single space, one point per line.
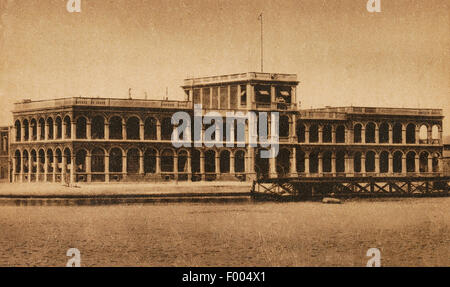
105 140
4 154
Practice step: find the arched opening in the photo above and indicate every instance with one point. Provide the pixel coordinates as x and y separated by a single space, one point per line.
301 131
68 125
300 160
225 162
210 161
326 161
150 161
17 157
357 133
284 127
98 160
435 134
26 130
397 162
34 161
313 134
183 163
370 133
411 162
150 129
58 154
283 162
50 131
314 162
42 128
340 161
18 128
133 128
423 134
167 160
435 162
410 134
239 161
195 162
98 128
370 161
166 129
81 128
340 134
50 159
423 162
115 128
115 160
384 162
383 133
397 133
25 161
80 161
261 165
33 129
326 134
133 161
357 162
41 160
59 131
68 156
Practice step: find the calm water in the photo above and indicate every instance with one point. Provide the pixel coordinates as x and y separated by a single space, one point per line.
409 232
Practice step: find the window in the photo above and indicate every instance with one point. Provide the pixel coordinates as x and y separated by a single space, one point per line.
206 98
233 97
243 96
224 97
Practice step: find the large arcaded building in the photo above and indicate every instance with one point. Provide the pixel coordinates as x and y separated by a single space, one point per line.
105 139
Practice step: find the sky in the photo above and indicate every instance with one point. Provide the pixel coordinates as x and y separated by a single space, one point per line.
343 55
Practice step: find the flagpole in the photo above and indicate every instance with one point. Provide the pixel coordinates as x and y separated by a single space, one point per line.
262 45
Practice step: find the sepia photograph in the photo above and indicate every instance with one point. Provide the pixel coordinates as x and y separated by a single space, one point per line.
224 133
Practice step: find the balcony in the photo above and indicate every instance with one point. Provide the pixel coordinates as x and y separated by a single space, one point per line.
100 102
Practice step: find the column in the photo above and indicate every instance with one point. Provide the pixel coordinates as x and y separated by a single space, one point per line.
293 131
14 162
158 164
106 131
73 132
377 134
404 164
430 163
21 167
238 96
107 167
217 163
391 164
124 165
22 136
363 134
88 167
30 131
124 130
293 164
45 166
38 170
202 165
416 164
363 163
306 133
72 167
64 130
141 162
88 130
377 163
175 165
273 167
333 163
189 165
320 164
390 135
232 160
55 161
141 131
158 131
306 163
250 95
272 94
47 131
63 169
54 129
429 135
333 133
320 128
403 134
30 167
